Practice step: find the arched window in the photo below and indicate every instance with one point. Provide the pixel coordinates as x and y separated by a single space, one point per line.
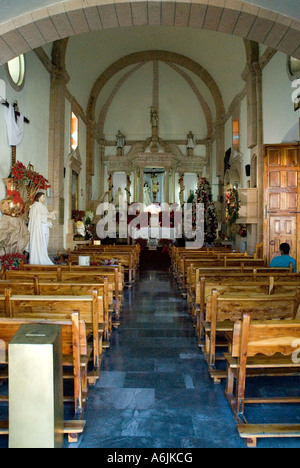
74 132
293 66
236 134
15 69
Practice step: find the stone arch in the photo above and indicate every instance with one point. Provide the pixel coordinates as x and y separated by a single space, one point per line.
35 28
202 102
164 56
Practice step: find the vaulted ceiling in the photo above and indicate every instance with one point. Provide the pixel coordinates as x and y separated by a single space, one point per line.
201 41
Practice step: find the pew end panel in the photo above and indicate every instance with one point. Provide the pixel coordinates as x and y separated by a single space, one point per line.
261 348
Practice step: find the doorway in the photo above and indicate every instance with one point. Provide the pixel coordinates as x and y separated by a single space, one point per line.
281 199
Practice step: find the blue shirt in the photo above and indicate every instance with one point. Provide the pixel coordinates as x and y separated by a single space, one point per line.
283 261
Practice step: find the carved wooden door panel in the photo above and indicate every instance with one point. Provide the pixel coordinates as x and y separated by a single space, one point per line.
281 199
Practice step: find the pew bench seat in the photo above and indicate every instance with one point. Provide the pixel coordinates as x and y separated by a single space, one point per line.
251 432
262 348
72 428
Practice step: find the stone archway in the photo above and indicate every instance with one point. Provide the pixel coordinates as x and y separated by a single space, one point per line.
35 28
171 58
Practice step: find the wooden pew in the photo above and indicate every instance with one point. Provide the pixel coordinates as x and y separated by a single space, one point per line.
223 311
125 259
204 288
113 277
61 308
243 269
74 347
235 274
261 348
52 288
113 290
225 262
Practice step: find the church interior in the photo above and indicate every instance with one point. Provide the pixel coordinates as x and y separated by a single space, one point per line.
112 109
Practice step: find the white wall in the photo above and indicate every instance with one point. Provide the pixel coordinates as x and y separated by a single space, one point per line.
34 104
179 109
278 109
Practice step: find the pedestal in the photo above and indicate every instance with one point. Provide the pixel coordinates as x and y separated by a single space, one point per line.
36 387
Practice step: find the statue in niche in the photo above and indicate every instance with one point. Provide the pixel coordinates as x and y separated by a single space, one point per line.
155 187
119 197
147 195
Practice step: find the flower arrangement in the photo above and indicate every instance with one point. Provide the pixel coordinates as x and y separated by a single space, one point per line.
28 183
12 261
204 195
61 259
78 215
242 230
31 178
83 221
88 217
232 206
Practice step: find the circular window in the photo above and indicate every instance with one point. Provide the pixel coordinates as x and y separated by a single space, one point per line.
293 67
16 72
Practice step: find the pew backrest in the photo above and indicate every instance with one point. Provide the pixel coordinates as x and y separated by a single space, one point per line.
266 337
221 308
9 327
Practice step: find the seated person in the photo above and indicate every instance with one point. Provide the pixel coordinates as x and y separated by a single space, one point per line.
284 259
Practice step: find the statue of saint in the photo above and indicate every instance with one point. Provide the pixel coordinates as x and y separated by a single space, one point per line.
191 141
147 195
154 118
155 187
120 140
80 228
40 222
119 197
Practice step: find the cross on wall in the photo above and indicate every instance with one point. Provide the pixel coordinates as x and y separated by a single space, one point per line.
17 115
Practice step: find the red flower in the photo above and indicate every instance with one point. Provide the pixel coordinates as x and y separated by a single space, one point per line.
12 261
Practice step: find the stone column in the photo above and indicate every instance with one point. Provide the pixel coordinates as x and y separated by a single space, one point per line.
128 187
56 201
167 186
136 193
101 175
90 138
259 152
141 197
172 186
220 146
110 187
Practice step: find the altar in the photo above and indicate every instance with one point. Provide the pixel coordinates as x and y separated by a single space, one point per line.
154 233
153 170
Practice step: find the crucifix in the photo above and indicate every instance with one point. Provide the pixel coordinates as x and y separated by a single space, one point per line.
17 115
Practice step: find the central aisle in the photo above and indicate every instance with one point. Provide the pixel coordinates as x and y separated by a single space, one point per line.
154 390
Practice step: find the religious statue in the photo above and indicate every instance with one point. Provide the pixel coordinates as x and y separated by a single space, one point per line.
14 234
120 142
154 118
119 197
40 221
190 144
80 228
191 197
155 187
147 196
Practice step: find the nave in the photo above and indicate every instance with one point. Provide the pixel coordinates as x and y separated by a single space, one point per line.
155 390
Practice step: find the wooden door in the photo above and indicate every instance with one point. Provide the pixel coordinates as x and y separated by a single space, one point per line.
281 199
